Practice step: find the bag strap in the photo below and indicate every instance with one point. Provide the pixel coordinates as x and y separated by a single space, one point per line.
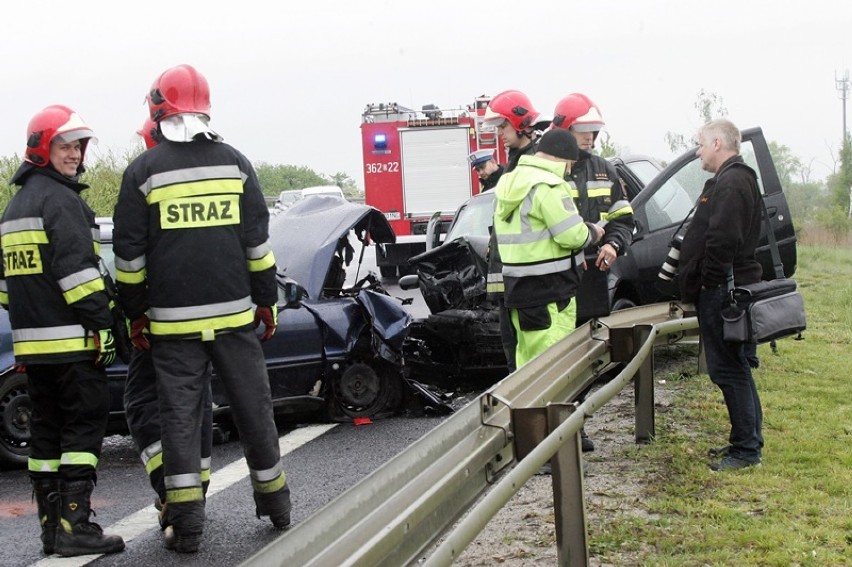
770 236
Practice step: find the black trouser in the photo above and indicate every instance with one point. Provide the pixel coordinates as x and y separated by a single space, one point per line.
507 336
142 410
730 371
69 419
181 382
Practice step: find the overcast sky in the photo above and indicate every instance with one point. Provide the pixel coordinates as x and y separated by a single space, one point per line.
289 81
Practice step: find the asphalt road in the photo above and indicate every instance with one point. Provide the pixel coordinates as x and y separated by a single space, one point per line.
321 461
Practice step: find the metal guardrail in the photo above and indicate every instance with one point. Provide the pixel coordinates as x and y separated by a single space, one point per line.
469 466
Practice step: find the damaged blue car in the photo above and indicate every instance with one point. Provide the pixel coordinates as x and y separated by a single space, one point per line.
337 353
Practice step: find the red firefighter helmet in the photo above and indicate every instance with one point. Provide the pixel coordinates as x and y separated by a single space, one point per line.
577 111
149 133
178 90
513 106
55 121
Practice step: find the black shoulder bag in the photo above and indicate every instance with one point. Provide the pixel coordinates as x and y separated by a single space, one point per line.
767 310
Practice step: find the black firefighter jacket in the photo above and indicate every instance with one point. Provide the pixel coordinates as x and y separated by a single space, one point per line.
50 281
191 240
596 186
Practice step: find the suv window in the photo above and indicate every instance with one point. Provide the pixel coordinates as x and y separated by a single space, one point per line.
676 197
473 218
644 170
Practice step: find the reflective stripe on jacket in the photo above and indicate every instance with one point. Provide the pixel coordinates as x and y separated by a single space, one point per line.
539 233
596 186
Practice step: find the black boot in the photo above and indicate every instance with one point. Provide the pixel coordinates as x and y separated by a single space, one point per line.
183 525
276 505
76 535
48 510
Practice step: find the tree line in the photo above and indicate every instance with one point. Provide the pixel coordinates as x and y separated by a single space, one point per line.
103 176
821 209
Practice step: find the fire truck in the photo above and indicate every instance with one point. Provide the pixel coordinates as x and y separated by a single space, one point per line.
415 166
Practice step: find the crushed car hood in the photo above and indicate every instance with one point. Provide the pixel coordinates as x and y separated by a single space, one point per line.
304 237
453 275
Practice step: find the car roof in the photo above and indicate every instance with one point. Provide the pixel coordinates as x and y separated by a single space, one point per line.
304 237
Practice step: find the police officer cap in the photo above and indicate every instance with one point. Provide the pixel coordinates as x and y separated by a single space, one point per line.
559 143
480 156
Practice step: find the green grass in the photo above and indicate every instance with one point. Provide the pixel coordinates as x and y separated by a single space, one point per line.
794 510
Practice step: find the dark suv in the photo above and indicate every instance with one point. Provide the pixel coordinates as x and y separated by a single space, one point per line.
461 335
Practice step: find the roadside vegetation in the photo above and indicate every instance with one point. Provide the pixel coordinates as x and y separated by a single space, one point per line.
796 509
104 171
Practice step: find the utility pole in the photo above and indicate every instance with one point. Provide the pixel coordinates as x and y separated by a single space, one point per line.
842 86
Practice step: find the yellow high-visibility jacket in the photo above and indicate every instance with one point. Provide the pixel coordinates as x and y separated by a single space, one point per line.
540 234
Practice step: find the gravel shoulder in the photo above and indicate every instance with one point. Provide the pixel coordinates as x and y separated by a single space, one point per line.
523 532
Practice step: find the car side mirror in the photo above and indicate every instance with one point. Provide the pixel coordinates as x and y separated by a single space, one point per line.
293 294
411 281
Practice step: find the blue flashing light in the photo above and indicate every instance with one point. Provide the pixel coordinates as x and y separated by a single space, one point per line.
380 141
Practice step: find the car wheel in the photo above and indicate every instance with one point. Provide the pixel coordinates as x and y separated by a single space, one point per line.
622 303
360 391
387 271
15 413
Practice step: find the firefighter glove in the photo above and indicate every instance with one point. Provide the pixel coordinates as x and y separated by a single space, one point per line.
105 343
269 317
138 330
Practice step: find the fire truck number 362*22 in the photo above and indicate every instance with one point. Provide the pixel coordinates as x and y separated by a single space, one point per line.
415 166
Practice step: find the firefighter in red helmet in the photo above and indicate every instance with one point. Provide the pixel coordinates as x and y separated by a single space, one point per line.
519 125
149 134
141 403
193 258
601 198
61 321
595 184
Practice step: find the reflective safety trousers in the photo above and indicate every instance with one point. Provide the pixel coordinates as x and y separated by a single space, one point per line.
70 408
539 328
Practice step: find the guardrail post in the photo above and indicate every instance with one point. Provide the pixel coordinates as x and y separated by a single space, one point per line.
568 500
530 427
643 388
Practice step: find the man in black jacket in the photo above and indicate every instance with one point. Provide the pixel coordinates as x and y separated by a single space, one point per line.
487 168
61 323
720 242
599 195
193 260
142 409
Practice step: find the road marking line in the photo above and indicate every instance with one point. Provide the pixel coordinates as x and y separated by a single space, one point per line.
145 520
